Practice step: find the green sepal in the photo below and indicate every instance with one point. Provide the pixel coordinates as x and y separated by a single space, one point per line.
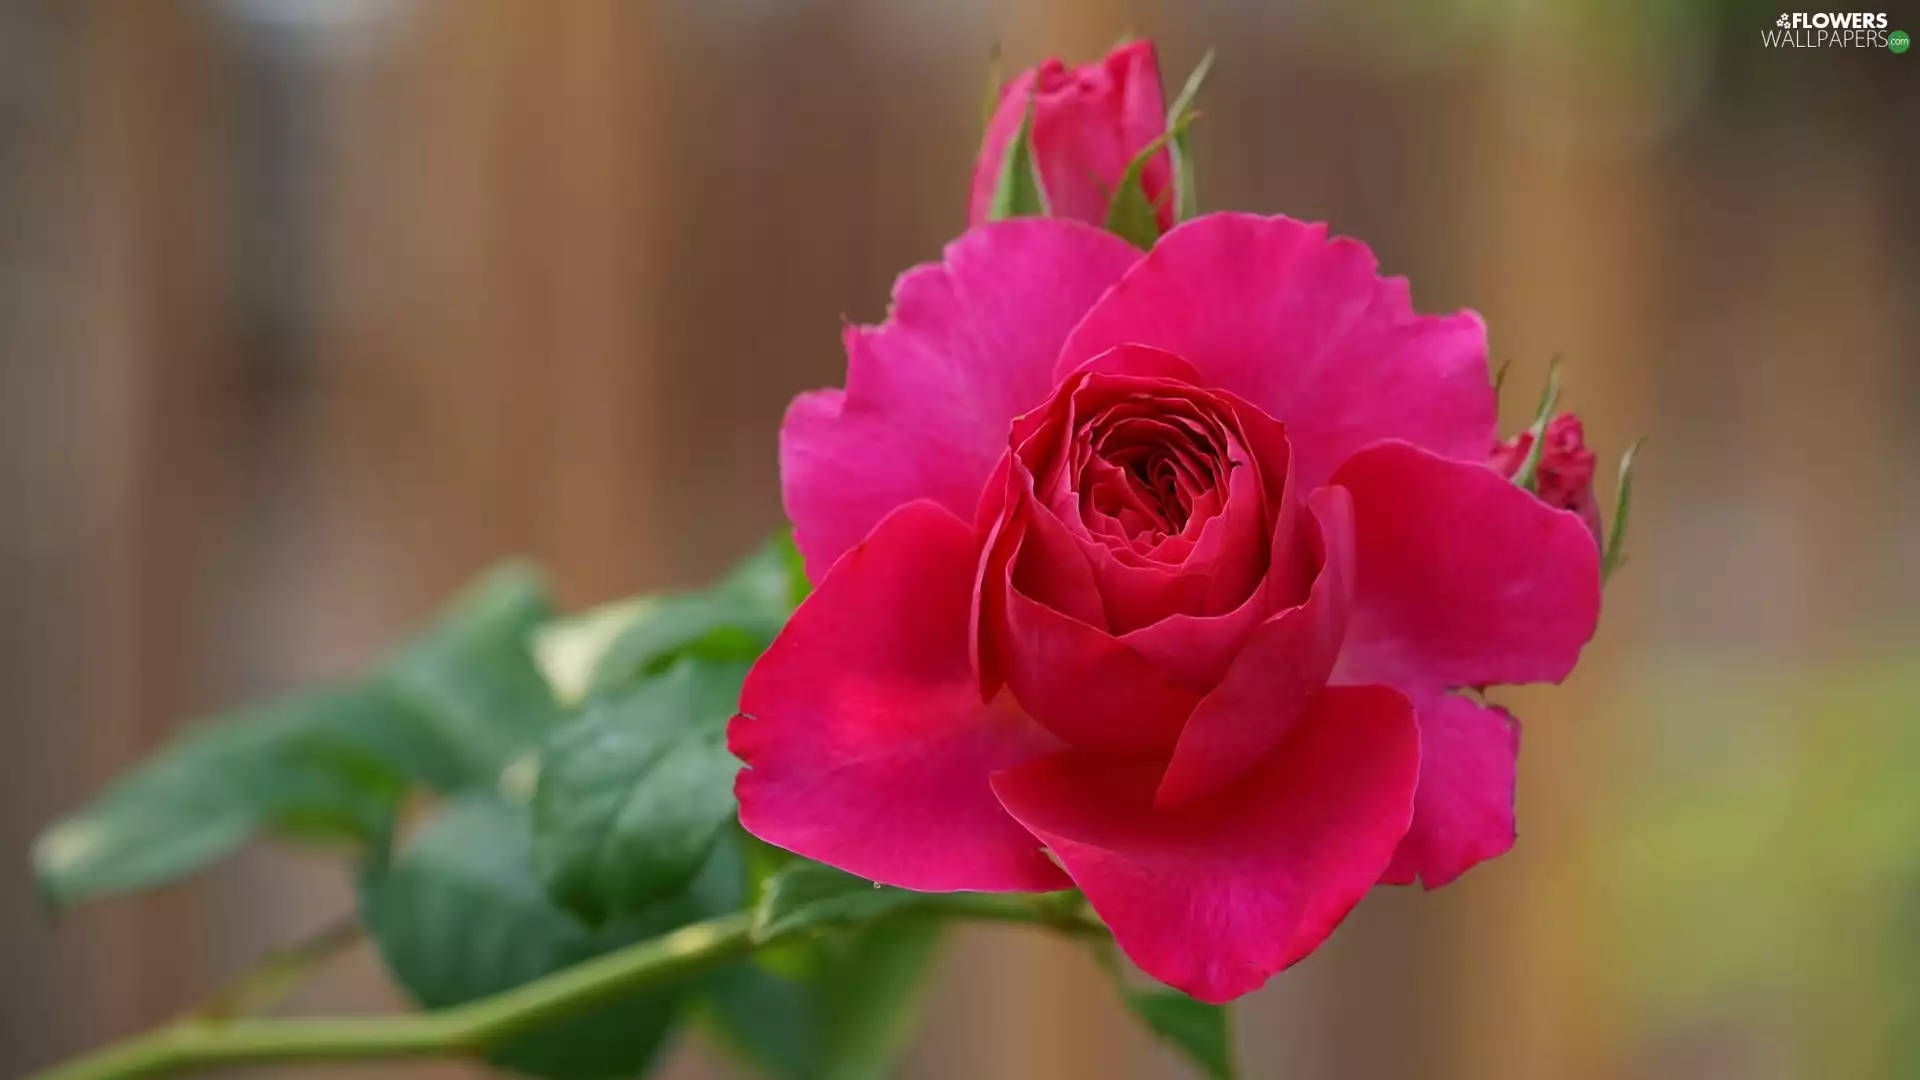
1019 191
1179 116
1616 555
1527 475
996 85
1500 378
1130 214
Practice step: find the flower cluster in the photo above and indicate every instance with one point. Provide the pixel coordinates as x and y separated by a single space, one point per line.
1172 575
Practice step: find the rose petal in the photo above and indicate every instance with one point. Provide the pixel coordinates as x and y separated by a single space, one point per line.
1197 650
1085 685
866 743
1463 809
1303 327
1217 896
932 392
1277 675
1462 578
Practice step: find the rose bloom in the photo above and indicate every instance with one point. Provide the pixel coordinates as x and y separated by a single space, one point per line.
1088 123
1161 576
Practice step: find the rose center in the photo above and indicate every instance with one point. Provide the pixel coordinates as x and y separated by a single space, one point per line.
1151 476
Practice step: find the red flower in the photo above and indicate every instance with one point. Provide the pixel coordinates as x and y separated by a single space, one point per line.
1158 575
1088 123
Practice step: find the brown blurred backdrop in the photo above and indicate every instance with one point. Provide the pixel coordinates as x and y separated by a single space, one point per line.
311 308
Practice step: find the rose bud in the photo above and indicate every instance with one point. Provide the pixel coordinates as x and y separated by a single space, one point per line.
1165 575
1563 477
1088 123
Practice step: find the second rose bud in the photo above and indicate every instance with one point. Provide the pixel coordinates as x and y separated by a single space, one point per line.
1088 124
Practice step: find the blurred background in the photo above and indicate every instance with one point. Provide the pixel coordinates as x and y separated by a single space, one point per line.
309 309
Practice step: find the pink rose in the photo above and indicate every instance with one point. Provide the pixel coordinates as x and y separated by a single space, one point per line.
1161 576
1564 476
1088 123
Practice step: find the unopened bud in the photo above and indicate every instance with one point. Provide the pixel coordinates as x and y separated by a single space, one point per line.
1563 476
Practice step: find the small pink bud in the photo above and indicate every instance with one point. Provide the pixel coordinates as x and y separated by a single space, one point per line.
1087 124
1564 478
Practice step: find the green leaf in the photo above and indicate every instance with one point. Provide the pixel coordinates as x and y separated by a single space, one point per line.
459 915
633 793
1616 553
1019 191
472 674
456 705
847 1014
1179 117
331 764
1198 1030
568 649
1527 475
1201 1032
806 895
733 621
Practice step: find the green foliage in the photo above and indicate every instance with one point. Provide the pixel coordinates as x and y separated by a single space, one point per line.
845 1007
1199 1031
586 806
634 792
314 764
568 648
460 915
474 677
841 1002
447 713
733 621
807 895
1019 191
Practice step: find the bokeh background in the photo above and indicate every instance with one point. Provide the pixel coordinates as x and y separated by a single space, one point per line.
311 308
